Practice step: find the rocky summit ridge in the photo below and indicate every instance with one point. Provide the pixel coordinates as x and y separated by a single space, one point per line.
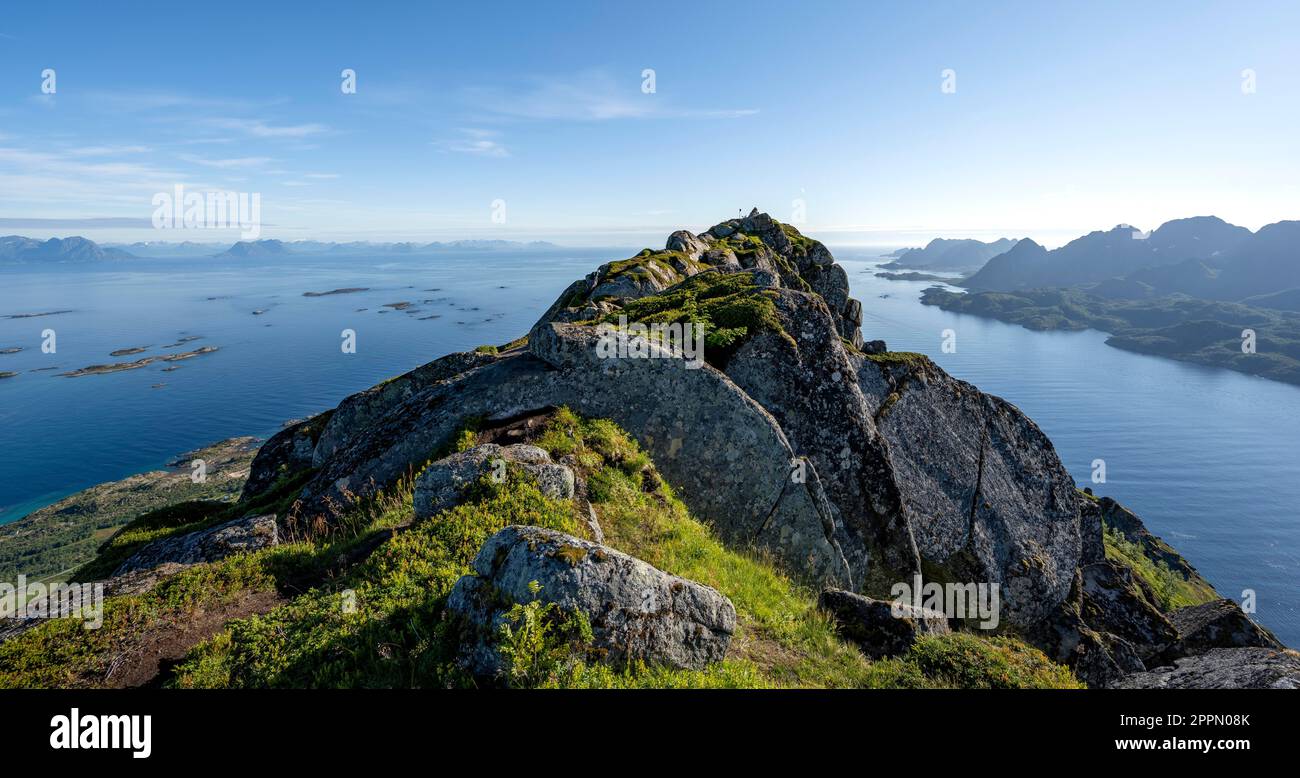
799 440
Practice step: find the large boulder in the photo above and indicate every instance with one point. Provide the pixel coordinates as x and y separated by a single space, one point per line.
441 485
1223 668
637 613
249 533
878 627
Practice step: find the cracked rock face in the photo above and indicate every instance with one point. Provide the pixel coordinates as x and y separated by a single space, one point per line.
985 492
636 611
443 483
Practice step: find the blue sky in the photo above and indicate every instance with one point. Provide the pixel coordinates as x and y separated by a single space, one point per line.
1064 119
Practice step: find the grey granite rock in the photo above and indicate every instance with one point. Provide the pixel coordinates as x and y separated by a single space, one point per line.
441 485
636 611
249 533
1223 668
1218 624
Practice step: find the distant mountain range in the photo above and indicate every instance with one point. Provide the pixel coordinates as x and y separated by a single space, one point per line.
1203 257
15 249
949 254
1189 291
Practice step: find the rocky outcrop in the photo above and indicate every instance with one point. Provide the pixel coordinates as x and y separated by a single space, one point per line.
854 466
878 627
1218 624
286 452
1117 602
441 485
1091 532
1098 658
636 612
987 497
207 545
1223 668
803 377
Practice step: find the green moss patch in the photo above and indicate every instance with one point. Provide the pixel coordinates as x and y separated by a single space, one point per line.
728 306
1172 590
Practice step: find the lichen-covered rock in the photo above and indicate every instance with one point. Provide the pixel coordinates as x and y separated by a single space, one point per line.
878 627
360 411
1218 624
441 485
637 613
1223 668
249 533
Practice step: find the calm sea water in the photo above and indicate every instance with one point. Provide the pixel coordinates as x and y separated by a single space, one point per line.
1210 459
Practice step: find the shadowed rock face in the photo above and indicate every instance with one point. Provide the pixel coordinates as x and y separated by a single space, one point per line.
806 381
636 611
873 625
986 496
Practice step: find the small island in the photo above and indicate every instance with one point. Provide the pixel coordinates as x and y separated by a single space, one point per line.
118 367
345 290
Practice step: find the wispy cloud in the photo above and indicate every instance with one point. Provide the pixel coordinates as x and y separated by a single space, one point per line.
137 101
475 141
105 151
261 129
226 163
593 95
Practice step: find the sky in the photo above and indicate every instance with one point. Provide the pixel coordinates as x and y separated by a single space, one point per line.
862 122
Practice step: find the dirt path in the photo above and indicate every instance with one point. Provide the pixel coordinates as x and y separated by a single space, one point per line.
143 661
